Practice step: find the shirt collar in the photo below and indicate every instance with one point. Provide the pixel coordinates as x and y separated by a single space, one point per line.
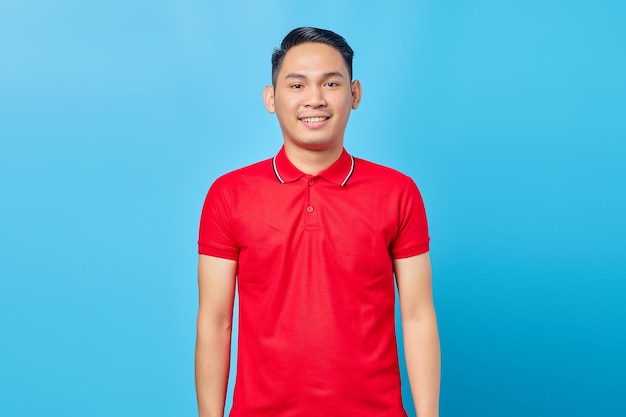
338 173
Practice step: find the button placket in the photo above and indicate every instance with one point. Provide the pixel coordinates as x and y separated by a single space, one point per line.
311 209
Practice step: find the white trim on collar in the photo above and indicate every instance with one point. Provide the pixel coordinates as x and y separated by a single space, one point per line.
276 170
345 181
349 173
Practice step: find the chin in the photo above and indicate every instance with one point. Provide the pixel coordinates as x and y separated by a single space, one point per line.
318 145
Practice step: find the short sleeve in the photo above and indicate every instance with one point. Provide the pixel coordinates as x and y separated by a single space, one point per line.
412 235
215 237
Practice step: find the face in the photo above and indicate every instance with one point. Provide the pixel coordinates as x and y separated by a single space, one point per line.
313 97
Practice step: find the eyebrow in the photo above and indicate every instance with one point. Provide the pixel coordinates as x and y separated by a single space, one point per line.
302 76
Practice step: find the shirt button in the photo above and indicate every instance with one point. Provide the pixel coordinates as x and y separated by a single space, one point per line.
309 209
311 182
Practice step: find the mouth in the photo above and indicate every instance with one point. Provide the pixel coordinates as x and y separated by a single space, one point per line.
314 122
313 119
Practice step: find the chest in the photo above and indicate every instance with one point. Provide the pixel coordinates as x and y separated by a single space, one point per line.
316 219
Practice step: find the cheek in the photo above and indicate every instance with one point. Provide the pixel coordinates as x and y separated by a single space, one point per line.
347 102
285 106
285 118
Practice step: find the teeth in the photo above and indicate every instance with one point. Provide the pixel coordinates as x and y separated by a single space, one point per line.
313 119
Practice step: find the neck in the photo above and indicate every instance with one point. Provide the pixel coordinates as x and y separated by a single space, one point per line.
312 162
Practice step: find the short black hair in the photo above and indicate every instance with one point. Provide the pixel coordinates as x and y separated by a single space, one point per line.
309 34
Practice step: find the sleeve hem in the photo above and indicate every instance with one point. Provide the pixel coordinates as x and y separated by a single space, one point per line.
414 251
218 253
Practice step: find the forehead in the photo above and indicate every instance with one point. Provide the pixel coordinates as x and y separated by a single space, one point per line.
312 58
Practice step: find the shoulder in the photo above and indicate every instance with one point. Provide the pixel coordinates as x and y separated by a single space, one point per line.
372 172
242 180
250 172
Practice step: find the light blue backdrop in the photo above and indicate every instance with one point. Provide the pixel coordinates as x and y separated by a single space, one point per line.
115 117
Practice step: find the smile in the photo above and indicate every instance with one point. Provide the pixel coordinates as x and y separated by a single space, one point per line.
313 119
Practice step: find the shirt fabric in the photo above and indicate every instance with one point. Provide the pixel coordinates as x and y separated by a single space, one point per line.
315 281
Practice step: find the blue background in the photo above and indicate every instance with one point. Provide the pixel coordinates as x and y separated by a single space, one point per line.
115 117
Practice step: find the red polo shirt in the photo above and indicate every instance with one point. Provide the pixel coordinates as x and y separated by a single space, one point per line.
316 287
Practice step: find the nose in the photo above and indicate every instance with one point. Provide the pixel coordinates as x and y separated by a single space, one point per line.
315 97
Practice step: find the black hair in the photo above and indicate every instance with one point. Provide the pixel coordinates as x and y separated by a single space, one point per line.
309 34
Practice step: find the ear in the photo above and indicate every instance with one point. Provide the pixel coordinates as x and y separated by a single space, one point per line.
268 98
356 94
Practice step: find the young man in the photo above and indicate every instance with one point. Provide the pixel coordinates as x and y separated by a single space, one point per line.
313 237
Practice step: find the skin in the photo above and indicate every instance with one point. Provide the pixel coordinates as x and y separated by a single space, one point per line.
419 329
314 82
216 285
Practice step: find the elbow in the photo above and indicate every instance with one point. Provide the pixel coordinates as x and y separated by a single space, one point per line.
419 316
222 323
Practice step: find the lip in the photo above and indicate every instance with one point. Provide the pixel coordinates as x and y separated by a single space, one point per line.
314 121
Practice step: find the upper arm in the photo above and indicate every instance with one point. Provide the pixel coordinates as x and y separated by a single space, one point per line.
414 279
216 287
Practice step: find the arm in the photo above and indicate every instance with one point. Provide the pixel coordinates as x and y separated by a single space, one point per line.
419 328
216 285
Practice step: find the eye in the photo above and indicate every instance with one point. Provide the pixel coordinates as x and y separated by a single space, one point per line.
296 86
332 84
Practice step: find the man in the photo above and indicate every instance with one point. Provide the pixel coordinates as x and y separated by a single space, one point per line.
314 237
